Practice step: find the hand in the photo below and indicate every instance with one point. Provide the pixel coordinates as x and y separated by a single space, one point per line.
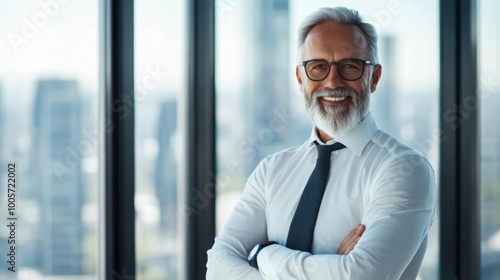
351 240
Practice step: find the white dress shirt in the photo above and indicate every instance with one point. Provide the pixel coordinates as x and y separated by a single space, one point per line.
376 181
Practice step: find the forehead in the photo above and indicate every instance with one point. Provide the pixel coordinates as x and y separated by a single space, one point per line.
335 41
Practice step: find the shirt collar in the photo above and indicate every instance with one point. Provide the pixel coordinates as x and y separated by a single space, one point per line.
356 139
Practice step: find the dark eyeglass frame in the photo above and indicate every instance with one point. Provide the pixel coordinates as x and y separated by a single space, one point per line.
330 63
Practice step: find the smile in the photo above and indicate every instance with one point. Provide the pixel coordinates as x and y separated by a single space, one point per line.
334 98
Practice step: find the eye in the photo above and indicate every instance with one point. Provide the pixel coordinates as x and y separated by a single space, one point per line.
350 66
317 66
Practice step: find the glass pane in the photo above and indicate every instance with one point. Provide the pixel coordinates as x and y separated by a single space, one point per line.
260 109
159 75
49 71
489 98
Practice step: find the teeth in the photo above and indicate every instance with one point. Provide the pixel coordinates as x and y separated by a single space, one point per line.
333 98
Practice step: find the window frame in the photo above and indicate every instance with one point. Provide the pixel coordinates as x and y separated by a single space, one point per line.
200 137
117 75
459 185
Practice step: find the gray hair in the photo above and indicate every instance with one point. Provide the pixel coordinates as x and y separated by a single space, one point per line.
340 15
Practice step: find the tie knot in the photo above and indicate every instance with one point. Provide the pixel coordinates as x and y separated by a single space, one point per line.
324 151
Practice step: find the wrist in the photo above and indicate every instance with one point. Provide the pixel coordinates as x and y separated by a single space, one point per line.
252 256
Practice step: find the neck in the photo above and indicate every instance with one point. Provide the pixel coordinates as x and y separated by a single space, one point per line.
323 136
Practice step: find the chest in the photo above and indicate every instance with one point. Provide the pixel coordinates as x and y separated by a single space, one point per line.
341 209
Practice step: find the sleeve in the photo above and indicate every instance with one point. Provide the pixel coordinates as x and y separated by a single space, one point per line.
245 227
399 212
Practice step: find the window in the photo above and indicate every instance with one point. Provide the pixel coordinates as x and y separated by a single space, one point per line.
489 137
159 81
257 112
49 95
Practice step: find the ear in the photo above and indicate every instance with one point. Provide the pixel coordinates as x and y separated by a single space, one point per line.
377 72
298 75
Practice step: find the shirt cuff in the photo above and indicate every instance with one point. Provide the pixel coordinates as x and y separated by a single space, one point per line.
270 260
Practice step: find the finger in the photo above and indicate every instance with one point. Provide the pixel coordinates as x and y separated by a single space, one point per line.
355 233
361 230
347 240
349 247
351 240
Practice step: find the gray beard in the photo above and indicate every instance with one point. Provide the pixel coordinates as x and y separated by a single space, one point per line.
339 120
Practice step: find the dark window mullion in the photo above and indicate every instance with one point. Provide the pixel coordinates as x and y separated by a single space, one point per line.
118 83
200 137
449 61
468 139
459 220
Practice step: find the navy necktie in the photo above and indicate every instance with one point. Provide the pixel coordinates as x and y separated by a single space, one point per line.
301 231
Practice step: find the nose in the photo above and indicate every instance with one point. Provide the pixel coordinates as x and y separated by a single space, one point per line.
333 80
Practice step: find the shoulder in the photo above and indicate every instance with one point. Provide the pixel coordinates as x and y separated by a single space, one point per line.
389 144
394 158
390 148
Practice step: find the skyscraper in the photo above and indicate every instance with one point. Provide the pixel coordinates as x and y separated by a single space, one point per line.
383 102
166 171
268 84
56 131
167 256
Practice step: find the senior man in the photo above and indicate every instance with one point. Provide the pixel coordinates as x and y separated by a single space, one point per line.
352 202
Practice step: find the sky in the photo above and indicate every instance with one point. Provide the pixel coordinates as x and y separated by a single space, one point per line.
66 33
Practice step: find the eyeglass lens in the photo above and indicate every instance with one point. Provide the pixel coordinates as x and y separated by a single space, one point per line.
347 69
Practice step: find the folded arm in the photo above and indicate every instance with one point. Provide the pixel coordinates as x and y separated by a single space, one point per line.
245 227
398 215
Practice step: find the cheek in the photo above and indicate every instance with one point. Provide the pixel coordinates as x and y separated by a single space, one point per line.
310 87
356 86
306 89
359 86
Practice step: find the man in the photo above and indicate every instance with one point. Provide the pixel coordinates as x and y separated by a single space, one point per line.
378 202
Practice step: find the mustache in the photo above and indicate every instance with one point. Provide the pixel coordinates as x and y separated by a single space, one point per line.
334 93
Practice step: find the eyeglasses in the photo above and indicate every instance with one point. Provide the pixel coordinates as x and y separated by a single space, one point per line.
349 69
